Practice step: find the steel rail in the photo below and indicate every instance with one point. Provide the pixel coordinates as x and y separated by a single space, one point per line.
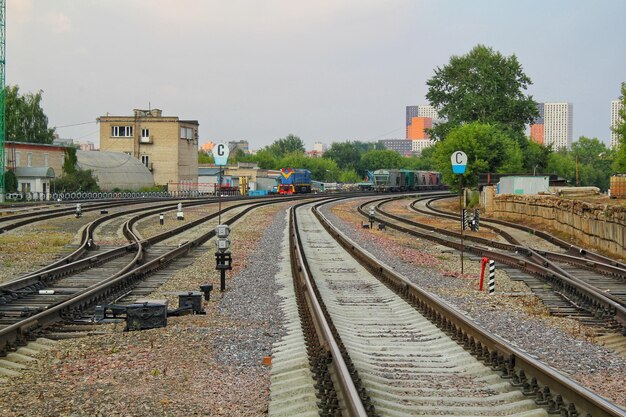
19 333
342 378
587 296
552 389
571 249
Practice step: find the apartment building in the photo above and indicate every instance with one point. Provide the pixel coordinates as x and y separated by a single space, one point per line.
166 145
419 118
554 125
616 106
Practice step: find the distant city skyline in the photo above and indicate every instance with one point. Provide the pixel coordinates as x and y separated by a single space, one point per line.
325 71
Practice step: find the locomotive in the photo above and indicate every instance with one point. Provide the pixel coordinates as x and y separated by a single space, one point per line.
391 180
294 181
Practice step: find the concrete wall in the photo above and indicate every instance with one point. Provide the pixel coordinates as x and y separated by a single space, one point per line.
601 226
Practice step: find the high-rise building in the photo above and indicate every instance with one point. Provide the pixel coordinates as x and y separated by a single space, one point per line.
557 126
616 106
418 145
554 125
536 128
419 113
427 111
417 128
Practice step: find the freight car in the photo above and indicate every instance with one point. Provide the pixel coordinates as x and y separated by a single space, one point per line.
294 181
392 180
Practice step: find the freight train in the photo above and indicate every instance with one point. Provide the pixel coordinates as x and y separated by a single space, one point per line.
294 181
391 180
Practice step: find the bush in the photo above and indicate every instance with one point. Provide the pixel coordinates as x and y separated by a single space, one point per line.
10 182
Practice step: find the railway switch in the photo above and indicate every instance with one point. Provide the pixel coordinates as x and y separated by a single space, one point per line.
191 300
78 210
372 218
146 315
161 219
206 289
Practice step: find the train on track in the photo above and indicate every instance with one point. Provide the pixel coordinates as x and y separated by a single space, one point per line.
294 181
393 180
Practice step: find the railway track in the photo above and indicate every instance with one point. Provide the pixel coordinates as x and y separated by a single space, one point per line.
379 345
71 292
592 304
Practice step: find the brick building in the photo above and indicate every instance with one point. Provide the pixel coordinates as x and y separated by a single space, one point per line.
166 145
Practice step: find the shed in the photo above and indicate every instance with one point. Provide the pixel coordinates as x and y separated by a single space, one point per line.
115 170
527 185
34 179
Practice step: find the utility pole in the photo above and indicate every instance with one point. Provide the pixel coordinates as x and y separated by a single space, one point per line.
3 9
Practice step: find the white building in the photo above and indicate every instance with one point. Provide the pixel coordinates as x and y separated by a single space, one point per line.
418 145
558 120
616 106
427 111
319 147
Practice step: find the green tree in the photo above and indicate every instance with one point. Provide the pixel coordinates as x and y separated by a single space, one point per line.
619 164
25 118
205 158
286 145
347 155
483 86
265 159
536 157
380 159
590 157
70 161
80 181
348 176
10 182
487 147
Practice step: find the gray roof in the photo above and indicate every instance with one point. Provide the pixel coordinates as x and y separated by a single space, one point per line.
209 171
115 170
34 172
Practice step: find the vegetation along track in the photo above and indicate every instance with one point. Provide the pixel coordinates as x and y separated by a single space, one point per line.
25 312
581 291
379 345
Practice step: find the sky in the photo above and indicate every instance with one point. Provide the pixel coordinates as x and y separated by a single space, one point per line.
325 70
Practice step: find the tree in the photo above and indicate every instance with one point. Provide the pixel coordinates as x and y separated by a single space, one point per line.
619 164
80 181
536 157
483 86
10 182
385 159
590 157
347 155
488 149
286 145
25 119
70 161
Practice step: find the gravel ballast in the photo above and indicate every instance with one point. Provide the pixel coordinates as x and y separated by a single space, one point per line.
561 343
203 365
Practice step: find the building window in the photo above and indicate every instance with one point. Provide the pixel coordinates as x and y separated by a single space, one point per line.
45 159
17 159
29 159
186 133
121 131
145 159
145 133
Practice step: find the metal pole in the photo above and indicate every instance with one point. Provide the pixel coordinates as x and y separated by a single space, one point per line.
219 200
462 220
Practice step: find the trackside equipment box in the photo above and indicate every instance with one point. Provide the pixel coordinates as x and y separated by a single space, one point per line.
149 314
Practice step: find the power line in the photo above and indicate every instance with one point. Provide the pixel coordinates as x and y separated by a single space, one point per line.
387 133
76 124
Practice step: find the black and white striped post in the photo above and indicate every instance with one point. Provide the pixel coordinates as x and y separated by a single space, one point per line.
492 276
464 220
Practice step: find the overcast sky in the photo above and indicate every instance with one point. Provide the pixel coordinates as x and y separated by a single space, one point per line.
324 70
